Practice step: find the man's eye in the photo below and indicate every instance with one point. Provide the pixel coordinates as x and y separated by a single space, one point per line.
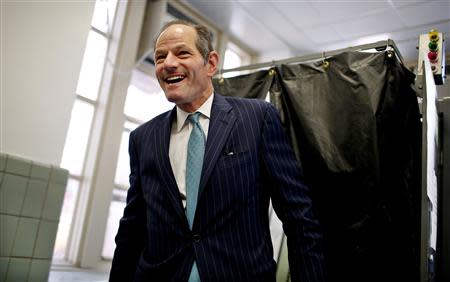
159 59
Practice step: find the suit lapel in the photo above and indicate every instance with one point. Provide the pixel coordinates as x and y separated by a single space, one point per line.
220 125
163 162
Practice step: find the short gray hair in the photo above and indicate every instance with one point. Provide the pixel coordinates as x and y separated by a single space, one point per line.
204 37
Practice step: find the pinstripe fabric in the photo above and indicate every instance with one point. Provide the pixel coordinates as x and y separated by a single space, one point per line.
247 161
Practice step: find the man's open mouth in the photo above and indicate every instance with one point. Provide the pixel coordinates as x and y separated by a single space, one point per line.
174 79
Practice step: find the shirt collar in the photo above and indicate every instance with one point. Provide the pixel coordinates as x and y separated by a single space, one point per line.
205 110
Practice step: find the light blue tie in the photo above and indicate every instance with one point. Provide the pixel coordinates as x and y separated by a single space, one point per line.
194 163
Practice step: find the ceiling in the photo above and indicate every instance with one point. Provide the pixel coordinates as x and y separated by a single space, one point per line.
281 29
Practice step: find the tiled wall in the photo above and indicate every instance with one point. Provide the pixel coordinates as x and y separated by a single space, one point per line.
31 197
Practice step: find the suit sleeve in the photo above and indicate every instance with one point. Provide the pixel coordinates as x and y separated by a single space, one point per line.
291 202
130 238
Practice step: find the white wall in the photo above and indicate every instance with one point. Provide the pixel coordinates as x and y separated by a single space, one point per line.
42 44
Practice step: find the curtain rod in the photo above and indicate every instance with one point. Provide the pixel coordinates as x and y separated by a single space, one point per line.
379 46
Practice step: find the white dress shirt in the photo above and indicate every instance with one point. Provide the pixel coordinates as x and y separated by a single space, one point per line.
179 138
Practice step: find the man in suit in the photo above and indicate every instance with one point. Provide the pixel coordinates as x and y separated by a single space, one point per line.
203 216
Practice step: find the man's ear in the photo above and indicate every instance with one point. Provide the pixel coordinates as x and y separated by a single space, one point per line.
213 63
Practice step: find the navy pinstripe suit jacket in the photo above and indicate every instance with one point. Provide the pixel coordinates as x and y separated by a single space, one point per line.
247 161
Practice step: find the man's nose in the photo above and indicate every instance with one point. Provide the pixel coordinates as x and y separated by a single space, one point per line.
170 61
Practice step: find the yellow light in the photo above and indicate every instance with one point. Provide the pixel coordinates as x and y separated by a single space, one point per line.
433 35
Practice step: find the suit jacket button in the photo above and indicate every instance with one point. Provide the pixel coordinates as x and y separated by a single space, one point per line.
196 238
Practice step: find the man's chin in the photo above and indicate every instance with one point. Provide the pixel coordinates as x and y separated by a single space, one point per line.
174 98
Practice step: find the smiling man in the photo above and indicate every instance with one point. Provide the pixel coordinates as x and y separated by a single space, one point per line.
182 71
202 176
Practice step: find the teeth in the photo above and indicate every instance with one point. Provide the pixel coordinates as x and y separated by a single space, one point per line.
173 78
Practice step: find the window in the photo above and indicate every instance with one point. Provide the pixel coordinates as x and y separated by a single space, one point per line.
92 67
235 57
115 214
145 100
66 217
103 15
77 138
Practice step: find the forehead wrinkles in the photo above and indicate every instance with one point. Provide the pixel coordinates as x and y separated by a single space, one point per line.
180 32
175 33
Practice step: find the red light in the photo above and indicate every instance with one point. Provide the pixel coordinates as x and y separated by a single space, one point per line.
432 56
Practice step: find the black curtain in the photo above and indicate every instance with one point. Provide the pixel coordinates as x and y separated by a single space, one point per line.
355 126
254 85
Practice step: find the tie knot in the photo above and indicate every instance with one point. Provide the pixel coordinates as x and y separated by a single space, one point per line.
193 118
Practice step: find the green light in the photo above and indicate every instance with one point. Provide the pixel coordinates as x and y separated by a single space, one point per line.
432 46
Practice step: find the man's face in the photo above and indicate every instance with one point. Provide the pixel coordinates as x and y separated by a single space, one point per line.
180 68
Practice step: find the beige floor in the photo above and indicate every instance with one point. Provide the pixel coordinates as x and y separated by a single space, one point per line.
61 271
